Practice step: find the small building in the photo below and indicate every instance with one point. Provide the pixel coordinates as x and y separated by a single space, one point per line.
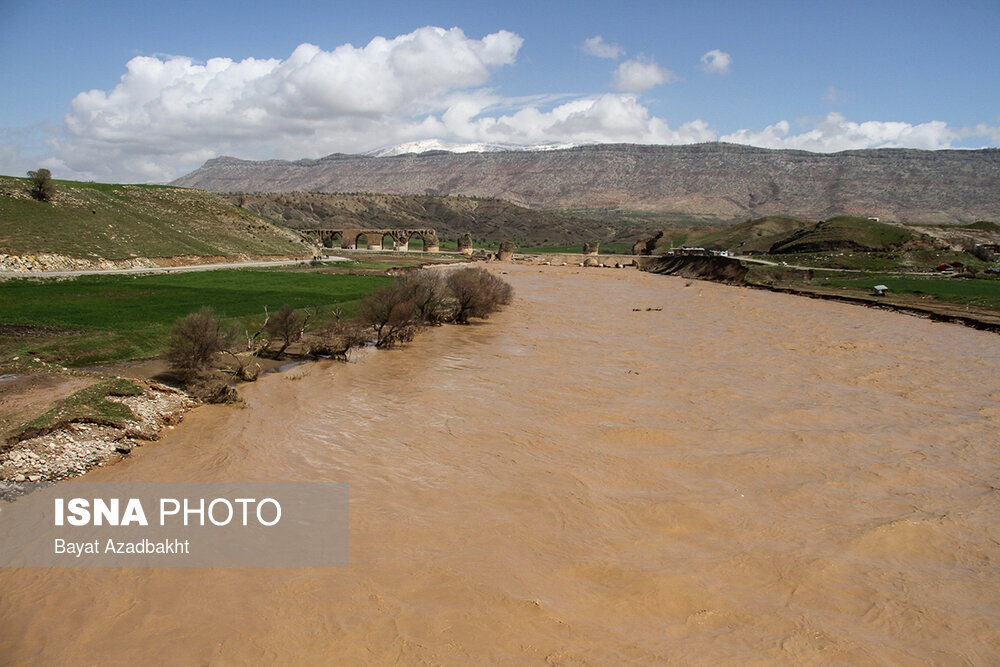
880 290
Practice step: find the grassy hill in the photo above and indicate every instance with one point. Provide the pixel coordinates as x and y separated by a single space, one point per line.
753 235
846 233
109 221
787 235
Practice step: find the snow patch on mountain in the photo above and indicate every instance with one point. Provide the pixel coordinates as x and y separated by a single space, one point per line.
426 145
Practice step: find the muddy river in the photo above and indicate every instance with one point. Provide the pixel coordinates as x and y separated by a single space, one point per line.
739 478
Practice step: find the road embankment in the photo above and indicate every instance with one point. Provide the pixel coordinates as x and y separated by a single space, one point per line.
718 269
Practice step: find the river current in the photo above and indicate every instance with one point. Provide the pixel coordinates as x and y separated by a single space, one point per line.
620 468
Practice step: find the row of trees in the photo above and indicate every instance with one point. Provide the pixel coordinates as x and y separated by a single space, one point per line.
388 316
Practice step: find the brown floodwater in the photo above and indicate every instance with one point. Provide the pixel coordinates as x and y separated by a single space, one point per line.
739 478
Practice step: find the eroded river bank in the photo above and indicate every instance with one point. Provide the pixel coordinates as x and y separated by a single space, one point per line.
742 477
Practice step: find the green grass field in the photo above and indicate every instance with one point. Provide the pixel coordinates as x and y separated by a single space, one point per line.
981 292
105 319
924 259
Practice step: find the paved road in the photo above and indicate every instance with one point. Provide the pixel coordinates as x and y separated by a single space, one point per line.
163 269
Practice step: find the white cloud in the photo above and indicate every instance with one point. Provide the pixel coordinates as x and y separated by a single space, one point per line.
835 97
596 46
166 114
605 118
836 133
635 76
716 62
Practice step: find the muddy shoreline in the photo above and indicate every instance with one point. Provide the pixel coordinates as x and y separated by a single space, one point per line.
937 314
729 271
73 448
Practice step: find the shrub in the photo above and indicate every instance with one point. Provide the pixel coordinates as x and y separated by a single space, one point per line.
477 293
194 342
391 313
338 338
41 184
429 294
287 324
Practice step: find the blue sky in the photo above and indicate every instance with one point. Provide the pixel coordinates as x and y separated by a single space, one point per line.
208 78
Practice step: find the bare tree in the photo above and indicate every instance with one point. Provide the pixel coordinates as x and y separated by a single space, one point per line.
247 368
391 313
477 293
339 337
429 294
288 324
42 188
194 342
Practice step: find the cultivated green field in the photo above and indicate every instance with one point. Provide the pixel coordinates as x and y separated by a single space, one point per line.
104 319
981 292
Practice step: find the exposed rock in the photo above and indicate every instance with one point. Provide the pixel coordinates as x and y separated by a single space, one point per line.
718 181
720 269
77 447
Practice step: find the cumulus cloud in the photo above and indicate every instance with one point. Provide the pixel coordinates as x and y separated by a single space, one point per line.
716 62
312 100
169 114
836 133
635 76
604 118
596 46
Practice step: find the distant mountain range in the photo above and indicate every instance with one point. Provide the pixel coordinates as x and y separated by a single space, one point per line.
429 145
712 182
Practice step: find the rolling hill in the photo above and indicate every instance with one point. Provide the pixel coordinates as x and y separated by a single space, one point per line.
98 220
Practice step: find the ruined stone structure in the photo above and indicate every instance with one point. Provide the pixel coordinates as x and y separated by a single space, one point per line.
506 251
373 239
465 244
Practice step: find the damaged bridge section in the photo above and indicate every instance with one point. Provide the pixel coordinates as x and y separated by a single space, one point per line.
373 239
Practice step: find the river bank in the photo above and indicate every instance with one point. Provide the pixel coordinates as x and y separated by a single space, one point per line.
731 271
70 448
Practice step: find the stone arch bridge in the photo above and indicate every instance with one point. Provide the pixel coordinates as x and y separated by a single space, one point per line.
373 239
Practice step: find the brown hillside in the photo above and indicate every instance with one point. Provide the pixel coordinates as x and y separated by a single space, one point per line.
451 217
720 182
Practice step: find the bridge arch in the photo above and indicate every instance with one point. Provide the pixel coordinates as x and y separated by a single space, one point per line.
374 239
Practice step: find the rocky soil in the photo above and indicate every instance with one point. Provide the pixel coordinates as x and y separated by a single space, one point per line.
77 447
50 262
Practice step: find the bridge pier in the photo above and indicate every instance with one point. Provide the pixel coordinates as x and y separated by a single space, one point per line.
373 238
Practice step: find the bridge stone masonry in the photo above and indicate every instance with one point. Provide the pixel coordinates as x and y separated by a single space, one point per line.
373 238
